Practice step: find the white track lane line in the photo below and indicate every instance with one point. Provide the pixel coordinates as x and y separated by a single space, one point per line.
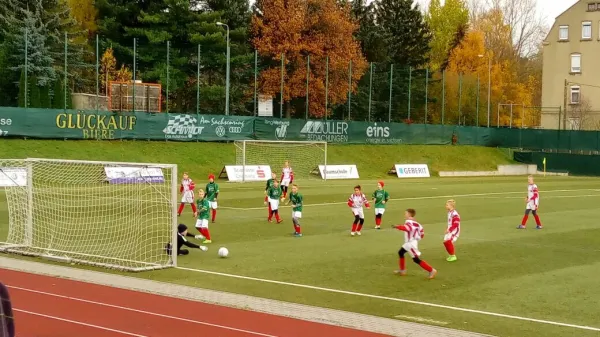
254 333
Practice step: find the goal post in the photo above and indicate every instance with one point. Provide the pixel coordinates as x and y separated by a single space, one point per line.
107 214
304 156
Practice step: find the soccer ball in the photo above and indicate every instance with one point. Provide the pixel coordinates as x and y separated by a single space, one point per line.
223 252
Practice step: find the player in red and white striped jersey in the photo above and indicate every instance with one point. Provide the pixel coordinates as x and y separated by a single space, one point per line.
187 193
452 231
413 233
356 202
533 202
287 177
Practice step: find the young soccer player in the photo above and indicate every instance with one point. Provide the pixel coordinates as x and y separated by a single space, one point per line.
452 231
182 232
296 200
275 196
413 233
533 203
356 202
287 177
269 185
380 199
187 193
202 215
212 192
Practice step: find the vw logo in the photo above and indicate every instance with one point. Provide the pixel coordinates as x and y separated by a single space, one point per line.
235 129
220 131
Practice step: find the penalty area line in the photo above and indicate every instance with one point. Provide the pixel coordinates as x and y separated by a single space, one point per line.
393 299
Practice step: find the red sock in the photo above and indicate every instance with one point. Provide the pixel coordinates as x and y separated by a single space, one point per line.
194 209
524 222
425 266
449 247
359 228
181 206
270 214
214 214
277 216
297 229
537 220
378 221
206 233
402 264
354 227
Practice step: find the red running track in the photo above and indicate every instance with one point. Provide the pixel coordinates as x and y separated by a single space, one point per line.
54 307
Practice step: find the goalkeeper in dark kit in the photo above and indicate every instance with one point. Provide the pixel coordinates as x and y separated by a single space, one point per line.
182 233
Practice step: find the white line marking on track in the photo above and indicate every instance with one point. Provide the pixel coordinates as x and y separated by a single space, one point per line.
440 306
417 198
141 311
79 323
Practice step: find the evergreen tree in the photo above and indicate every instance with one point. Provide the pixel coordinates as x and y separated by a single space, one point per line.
58 96
34 89
45 97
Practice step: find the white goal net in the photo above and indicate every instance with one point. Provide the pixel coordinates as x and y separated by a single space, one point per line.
304 157
114 215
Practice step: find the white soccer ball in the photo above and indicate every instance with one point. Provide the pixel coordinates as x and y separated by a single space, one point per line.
223 252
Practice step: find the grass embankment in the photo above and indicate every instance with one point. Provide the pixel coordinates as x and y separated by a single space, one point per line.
372 161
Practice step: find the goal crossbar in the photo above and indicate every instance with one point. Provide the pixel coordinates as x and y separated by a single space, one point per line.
117 215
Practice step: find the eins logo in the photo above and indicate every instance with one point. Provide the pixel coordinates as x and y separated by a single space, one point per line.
378 131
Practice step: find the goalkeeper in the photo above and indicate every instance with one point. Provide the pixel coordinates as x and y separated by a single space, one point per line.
182 232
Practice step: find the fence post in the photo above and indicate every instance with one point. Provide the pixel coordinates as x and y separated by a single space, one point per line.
255 82
409 88
134 69
326 85
65 85
370 89
168 77
443 94
349 89
198 81
97 73
26 68
426 92
391 86
282 75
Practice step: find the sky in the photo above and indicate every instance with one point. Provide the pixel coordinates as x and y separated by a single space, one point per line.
549 9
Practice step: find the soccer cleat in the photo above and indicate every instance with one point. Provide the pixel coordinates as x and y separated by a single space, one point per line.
270 220
358 233
199 237
207 241
539 227
377 227
400 272
521 227
352 233
298 235
432 274
451 258
203 248
279 221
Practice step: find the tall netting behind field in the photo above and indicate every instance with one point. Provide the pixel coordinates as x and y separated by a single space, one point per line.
116 215
304 157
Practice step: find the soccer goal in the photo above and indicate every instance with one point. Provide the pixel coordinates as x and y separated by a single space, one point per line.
304 157
108 214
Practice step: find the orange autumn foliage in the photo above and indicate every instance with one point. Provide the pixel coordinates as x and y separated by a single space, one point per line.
297 29
506 87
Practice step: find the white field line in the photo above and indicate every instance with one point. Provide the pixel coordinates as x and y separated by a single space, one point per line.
79 323
139 311
420 198
392 299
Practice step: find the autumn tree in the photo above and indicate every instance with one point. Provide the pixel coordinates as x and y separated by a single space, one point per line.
110 72
85 13
296 29
448 23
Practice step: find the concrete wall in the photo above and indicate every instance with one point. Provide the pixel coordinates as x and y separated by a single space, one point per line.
88 102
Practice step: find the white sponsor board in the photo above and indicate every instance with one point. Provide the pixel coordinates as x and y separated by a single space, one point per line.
412 171
13 176
133 174
265 106
235 173
339 172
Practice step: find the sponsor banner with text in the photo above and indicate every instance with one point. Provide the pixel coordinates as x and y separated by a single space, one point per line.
235 173
13 176
339 172
412 170
133 175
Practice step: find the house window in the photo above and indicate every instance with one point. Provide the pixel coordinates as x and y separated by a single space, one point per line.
586 30
575 63
563 33
575 94
592 7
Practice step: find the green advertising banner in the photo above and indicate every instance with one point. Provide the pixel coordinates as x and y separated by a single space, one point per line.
72 124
